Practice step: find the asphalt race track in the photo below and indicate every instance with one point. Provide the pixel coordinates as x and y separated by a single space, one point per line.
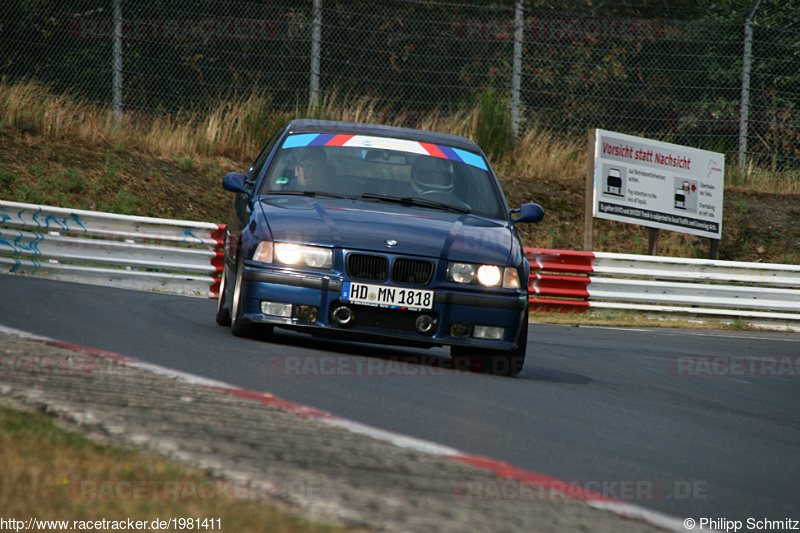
662 418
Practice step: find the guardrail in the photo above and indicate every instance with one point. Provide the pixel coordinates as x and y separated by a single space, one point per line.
116 250
755 293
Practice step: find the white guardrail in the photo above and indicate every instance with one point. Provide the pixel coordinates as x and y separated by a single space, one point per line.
186 258
116 250
763 294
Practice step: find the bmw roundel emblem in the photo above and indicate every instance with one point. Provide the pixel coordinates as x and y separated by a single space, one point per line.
391 243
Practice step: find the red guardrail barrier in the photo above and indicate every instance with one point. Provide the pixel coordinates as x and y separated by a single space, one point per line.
565 285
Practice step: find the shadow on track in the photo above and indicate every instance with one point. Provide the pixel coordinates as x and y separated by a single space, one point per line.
436 358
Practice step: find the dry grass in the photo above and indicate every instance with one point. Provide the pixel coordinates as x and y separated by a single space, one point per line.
541 156
53 474
758 179
237 129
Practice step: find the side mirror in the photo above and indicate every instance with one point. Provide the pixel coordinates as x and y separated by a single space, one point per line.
529 212
235 182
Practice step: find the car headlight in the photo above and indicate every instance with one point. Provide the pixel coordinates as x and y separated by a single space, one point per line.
286 253
461 272
486 275
489 275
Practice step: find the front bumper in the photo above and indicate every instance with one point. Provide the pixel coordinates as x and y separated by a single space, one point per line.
460 316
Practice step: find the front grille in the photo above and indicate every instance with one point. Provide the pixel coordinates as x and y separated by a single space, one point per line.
412 271
405 271
368 267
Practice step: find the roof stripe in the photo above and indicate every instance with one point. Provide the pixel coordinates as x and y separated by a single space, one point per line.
339 140
471 158
386 143
451 154
303 139
322 139
434 150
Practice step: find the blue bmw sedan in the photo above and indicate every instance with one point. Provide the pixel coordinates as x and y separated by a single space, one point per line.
378 234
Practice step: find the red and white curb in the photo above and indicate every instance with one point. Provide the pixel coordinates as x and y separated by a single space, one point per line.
501 469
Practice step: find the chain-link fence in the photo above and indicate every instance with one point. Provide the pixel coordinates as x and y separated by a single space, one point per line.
676 74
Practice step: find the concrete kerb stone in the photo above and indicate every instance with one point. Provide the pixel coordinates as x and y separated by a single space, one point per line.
331 469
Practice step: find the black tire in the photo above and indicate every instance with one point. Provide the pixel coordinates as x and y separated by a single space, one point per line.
223 317
487 361
241 327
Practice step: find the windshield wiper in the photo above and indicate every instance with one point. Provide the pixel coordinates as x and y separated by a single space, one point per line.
410 200
311 194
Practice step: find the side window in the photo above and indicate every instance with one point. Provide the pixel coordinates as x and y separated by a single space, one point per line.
255 170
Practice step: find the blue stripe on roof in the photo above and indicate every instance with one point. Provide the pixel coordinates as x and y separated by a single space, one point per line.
322 139
303 139
471 159
449 153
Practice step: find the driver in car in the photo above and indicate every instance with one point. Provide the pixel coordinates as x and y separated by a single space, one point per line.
430 175
310 171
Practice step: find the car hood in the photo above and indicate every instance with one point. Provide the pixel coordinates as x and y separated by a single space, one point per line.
361 225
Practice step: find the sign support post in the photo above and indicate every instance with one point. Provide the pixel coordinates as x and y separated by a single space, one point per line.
588 215
652 240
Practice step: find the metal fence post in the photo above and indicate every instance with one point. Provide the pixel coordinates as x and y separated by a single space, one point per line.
744 108
516 70
316 37
117 76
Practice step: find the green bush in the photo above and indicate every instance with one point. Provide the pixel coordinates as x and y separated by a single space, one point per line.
493 127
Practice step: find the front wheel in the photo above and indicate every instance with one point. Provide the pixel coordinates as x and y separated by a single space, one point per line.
240 326
223 317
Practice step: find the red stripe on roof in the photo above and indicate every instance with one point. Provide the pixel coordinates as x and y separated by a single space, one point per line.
339 140
433 150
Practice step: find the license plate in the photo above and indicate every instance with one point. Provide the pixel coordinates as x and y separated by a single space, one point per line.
386 296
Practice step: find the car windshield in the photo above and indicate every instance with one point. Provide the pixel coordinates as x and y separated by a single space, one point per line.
378 169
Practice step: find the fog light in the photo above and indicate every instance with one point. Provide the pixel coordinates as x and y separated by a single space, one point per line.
489 332
342 316
425 324
276 309
306 313
460 329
